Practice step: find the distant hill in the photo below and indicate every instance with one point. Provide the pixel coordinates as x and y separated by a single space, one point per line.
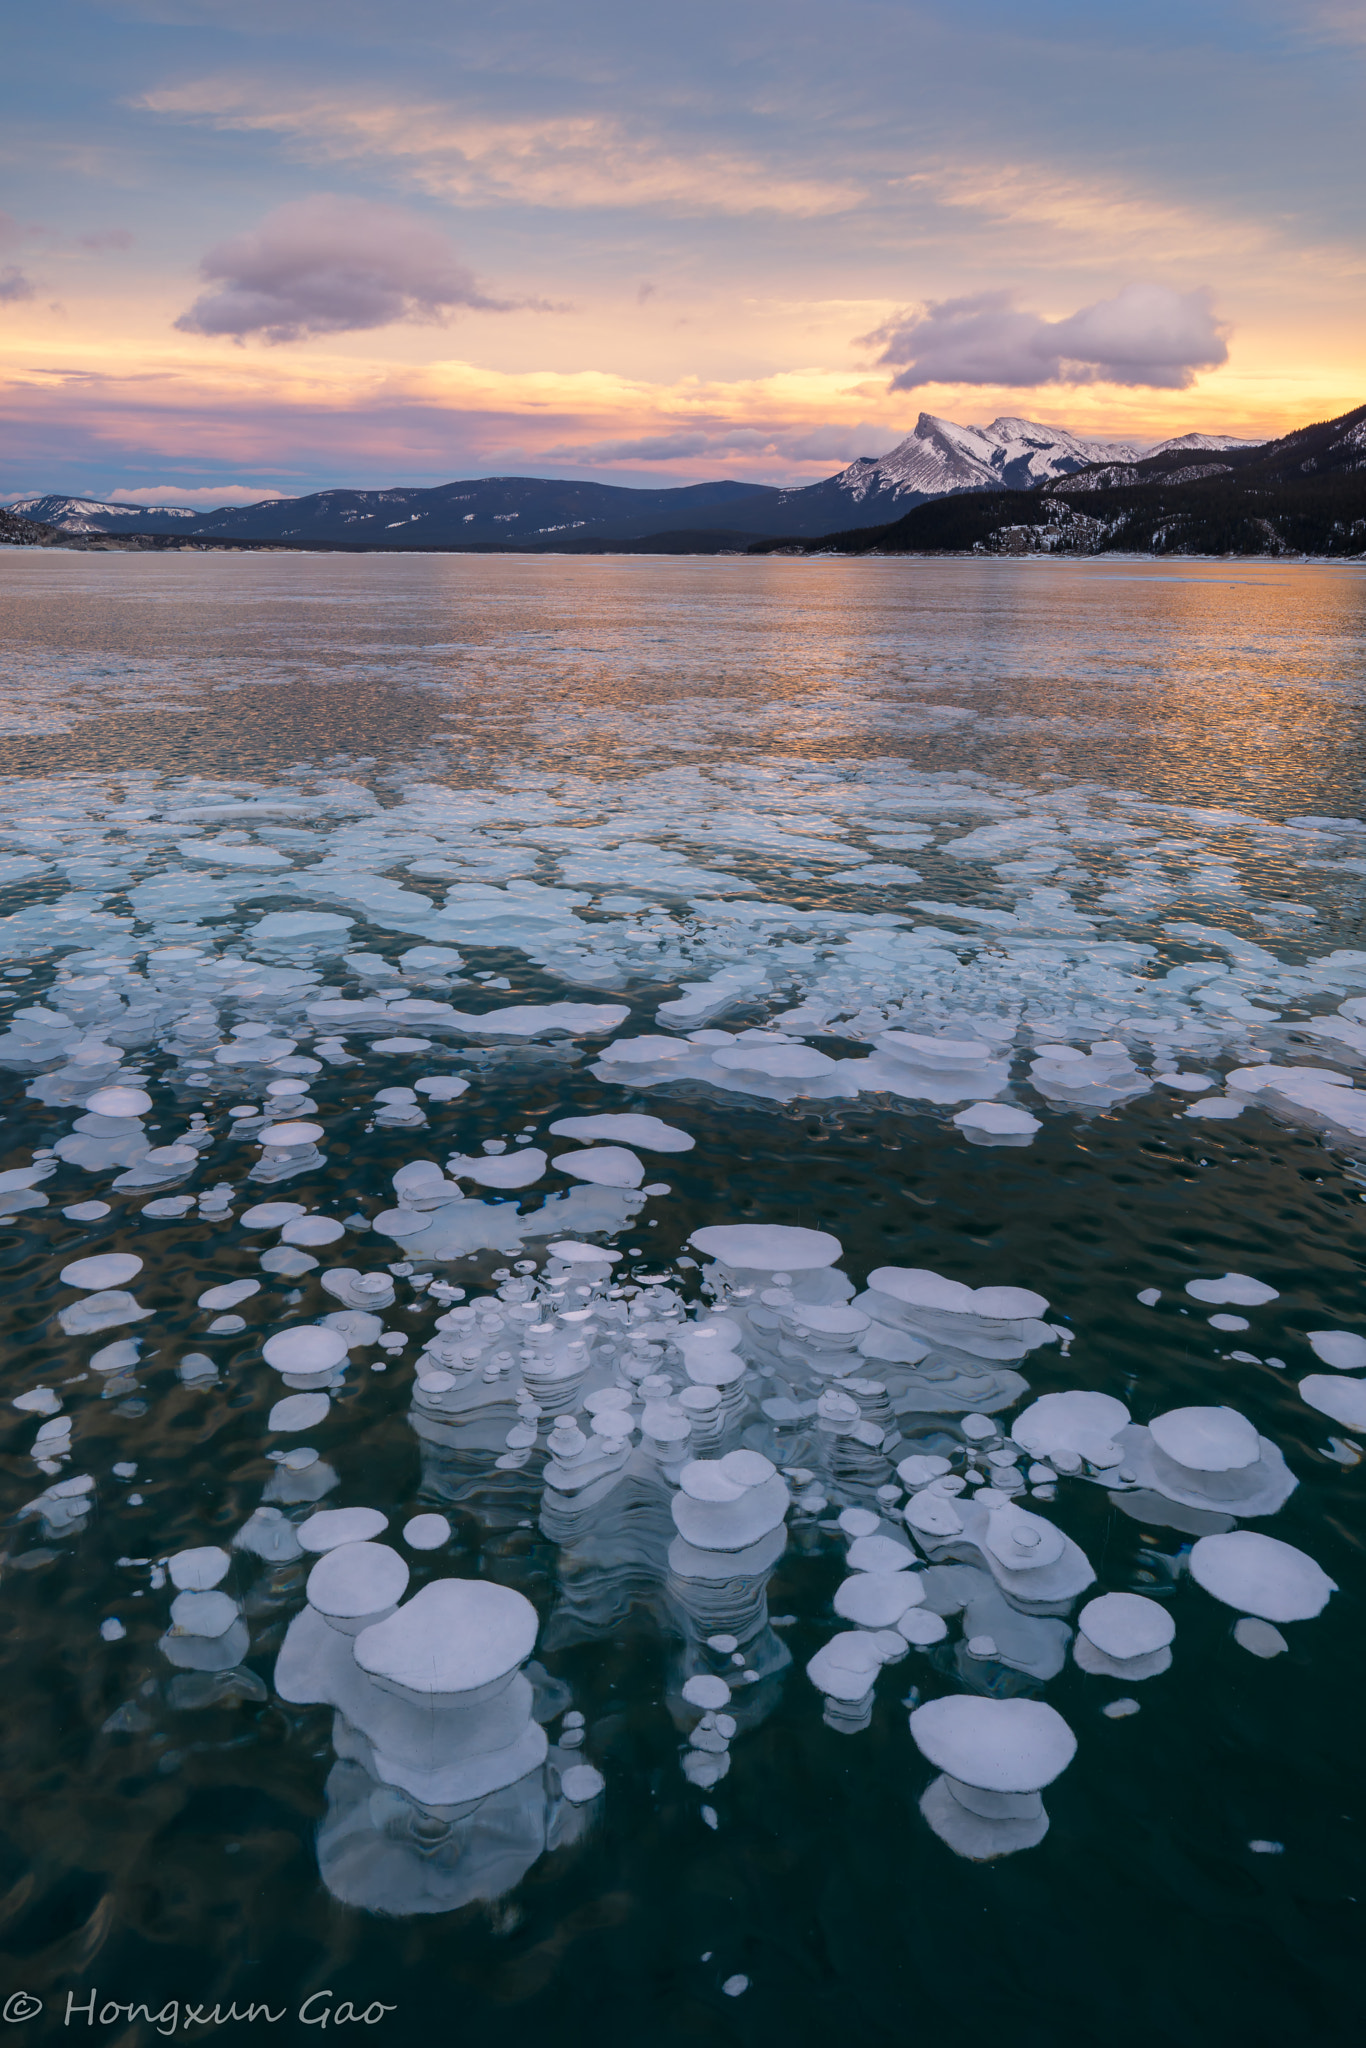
101 515
1302 494
937 458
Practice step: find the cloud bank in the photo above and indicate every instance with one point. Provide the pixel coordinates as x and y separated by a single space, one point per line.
329 265
1147 335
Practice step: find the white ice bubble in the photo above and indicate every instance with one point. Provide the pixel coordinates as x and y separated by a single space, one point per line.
198 1571
119 1102
648 1133
298 1411
453 1636
1126 1625
333 1526
305 1349
605 1166
1238 1288
311 1230
270 1215
767 1247
1342 1349
1259 1638
357 1581
229 1294
1012 1745
426 1532
203 1614
1260 1575
1206 1439
706 1692
581 1783
1342 1401
106 1269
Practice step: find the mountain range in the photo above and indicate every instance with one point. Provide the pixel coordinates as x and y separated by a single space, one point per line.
1302 494
936 459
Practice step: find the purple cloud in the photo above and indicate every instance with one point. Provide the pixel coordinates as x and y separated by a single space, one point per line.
328 265
1146 335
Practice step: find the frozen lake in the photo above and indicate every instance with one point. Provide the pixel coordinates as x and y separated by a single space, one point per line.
684 1352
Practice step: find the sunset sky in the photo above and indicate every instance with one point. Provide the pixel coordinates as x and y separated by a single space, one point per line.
273 245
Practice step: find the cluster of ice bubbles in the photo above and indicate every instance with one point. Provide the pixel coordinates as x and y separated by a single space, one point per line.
673 1444
1068 982
671 1447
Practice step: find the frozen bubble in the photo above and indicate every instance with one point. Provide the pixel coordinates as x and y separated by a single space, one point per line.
270 1215
846 1667
605 1166
575 1254
581 1783
878 1599
879 1554
86 1212
703 1480
706 1692
112 1630
1233 1287
1229 1323
978 1427
767 1247
650 1133
860 1522
997 1120
733 1986
119 1102
441 1087
1259 1637
1012 1745
1260 1575
1342 1401
230 1294
198 1571
919 1626
1125 1625
426 1532
305 1349
747 1468
203 1614
453 1636
1078 1420
1206 1439
306 1230
1265 1848
298 1411
288 1137
493 1170
920 1468
1120 1710
402 1045
1150 1297
355 1580
107 1269
333 1526
1341 1349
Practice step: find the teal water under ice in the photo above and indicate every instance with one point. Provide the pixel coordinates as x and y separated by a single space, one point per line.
965 927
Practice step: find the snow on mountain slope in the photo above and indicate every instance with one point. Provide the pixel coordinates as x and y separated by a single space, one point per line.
940 456
98 515
1214 443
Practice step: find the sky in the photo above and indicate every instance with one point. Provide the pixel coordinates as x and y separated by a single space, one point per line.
252 247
